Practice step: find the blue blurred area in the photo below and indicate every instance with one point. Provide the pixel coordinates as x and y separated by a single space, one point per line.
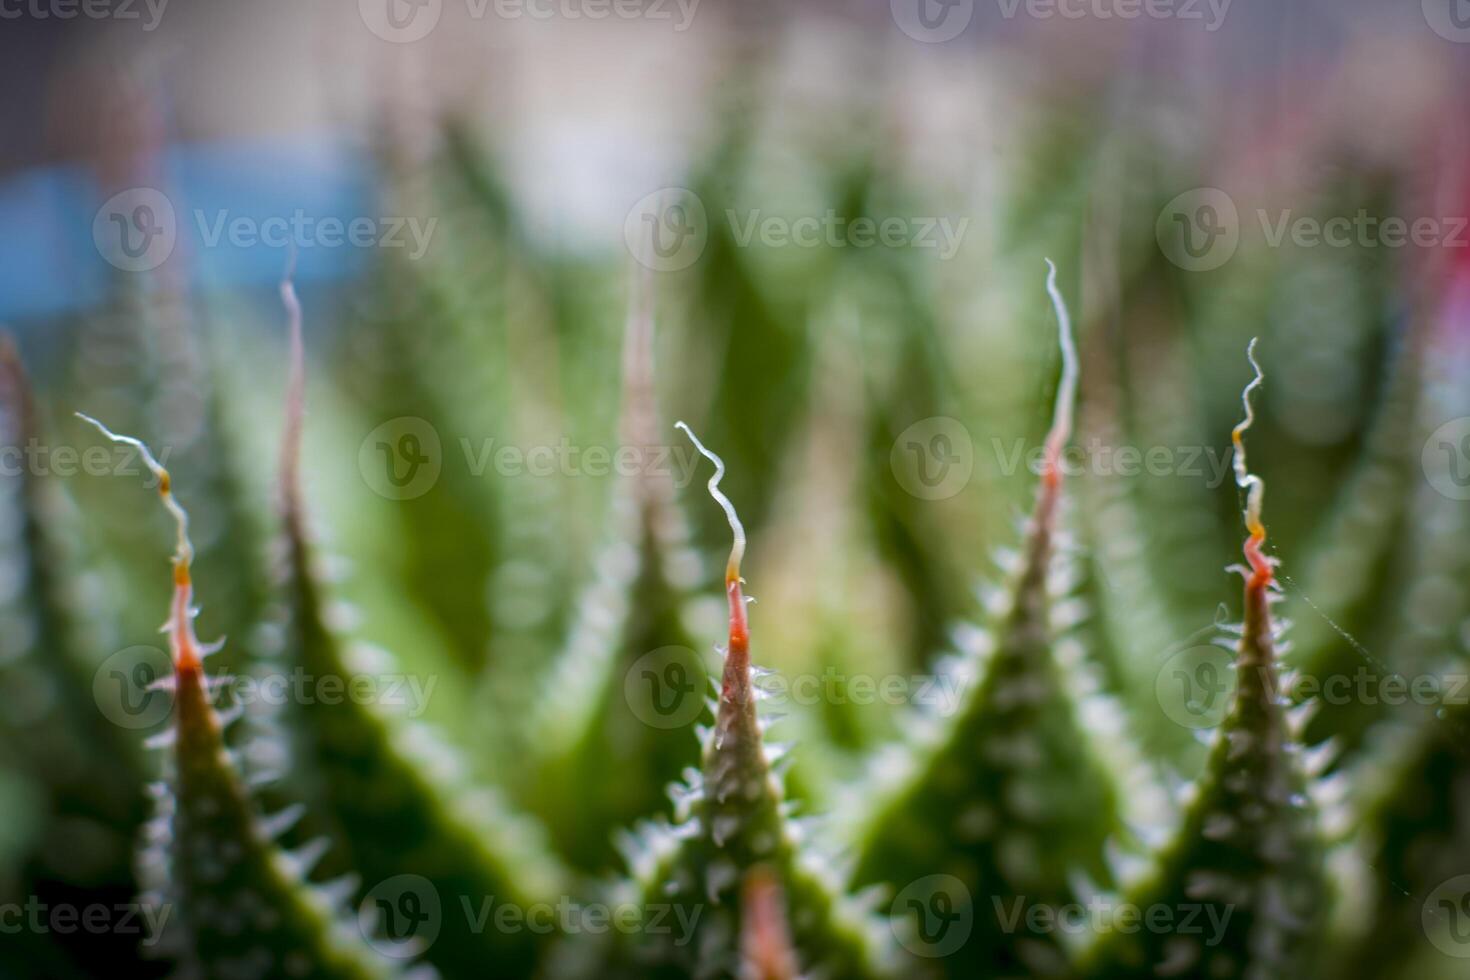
47 261
224 195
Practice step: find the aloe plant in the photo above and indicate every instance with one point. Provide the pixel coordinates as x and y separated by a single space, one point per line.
75 792
391 790
613 793
1247 860
227 900
1009 798
732 825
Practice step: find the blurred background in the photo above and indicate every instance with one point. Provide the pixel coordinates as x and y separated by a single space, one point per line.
837 214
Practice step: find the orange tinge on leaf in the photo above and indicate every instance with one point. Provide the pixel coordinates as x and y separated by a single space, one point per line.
735 688
765 941
187 652
1260 565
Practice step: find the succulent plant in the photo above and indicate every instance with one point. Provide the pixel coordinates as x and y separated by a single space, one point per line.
618 775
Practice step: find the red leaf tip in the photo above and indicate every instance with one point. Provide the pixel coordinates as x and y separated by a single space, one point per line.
180 626
1253 485
737 659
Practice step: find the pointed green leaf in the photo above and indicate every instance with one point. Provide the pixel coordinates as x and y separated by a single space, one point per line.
602 754
1014 793
1247 861
226 902
733 823
54 629
394 795
231 903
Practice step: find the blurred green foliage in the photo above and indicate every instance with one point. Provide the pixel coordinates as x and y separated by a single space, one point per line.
530 598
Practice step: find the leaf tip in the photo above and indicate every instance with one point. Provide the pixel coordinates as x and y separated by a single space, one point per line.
1061 426
1253 485
180 625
